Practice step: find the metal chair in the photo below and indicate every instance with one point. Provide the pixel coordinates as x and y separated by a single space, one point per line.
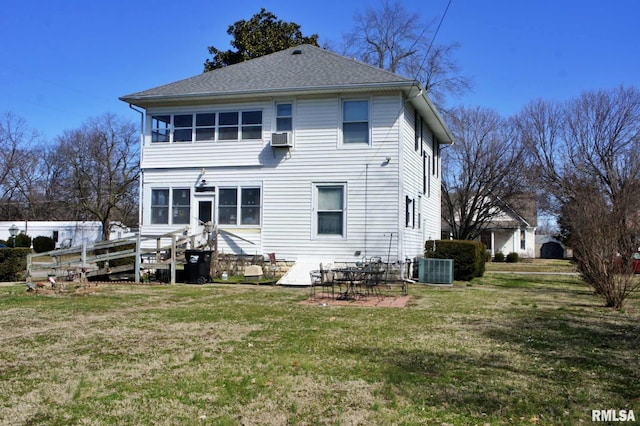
322 278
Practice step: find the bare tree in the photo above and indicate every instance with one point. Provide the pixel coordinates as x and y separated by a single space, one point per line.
482 174
16 143
587 154
391 38
102 167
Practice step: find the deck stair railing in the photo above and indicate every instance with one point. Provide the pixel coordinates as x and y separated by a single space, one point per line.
92 259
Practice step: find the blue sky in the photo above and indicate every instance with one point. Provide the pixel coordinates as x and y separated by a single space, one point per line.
66 61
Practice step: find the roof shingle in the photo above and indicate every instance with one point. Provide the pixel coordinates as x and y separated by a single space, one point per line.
302 67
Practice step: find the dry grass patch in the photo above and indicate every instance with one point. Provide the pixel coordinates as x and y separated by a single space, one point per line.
534 265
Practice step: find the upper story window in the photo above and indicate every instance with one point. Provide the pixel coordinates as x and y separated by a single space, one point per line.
183 128
228 128
160 128
208 126
205 127
355 121
252 125
284 117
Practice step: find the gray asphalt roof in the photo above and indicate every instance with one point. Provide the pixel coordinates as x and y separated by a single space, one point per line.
299 68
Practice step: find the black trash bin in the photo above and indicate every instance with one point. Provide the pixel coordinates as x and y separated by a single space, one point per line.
198 266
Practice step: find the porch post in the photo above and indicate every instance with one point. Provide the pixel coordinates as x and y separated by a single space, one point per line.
173 258
137 262
493 244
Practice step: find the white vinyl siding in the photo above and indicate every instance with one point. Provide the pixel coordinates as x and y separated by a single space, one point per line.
373 210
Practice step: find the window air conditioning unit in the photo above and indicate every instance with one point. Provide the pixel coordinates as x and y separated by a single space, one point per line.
283 139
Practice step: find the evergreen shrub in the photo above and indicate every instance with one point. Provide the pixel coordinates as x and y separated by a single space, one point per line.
468 257
13 263
513 258
43 244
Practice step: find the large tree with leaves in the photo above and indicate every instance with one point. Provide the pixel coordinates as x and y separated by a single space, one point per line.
261 35
391 38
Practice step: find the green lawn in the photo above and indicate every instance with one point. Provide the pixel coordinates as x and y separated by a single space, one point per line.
504 349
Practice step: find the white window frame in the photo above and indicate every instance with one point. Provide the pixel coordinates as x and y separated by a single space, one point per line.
360 145
178 207
239 206
171 206
156 206
276 116
315 211
168 130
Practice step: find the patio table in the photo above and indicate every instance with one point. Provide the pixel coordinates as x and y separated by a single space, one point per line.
354 277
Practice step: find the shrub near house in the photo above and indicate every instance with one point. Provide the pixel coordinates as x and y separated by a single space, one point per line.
468 257
13 262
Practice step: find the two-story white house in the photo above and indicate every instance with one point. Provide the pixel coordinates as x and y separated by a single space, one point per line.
303 153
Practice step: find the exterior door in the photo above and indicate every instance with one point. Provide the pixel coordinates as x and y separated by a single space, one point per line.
206 210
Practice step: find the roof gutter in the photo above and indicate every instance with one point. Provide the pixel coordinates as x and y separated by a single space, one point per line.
422 103
142 100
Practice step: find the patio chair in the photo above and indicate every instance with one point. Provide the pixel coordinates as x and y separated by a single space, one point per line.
322 278
373 277
274 269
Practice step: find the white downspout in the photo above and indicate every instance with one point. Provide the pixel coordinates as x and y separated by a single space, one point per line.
140 183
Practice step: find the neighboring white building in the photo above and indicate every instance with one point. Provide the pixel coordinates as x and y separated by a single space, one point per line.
513 230
64 233
303 153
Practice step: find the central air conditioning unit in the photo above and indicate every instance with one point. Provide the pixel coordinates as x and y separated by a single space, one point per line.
282 140
436 271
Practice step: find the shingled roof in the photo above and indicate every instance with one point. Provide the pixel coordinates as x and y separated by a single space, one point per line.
298 70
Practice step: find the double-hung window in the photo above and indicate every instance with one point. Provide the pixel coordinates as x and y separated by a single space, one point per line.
284 117
355 121
159 206
205 127
181 206
228 127
330 210
252 125
228 206
183 125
